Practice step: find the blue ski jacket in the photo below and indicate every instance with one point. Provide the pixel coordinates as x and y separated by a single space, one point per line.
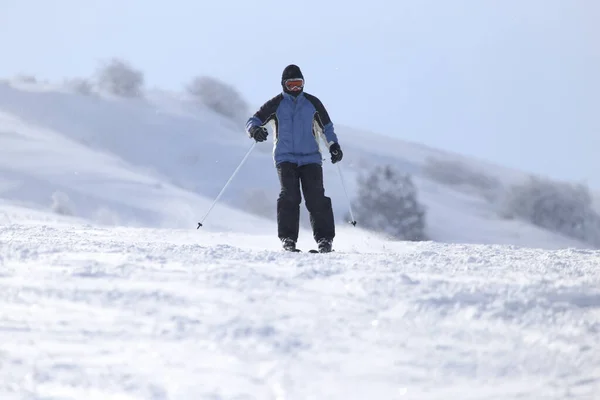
298 123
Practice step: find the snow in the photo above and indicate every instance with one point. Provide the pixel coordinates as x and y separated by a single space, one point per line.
160 161
151 313
108 291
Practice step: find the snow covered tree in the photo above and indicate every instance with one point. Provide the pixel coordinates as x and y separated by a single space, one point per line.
62 204
257 201
219 96
563 208
80 85
387 203
119 78
460 174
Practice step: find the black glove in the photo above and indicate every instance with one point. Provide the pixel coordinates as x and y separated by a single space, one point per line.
336 153
259 133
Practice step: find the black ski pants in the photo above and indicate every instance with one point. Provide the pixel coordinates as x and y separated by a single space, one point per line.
310 178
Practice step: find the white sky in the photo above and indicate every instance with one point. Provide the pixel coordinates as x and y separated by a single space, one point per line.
516 82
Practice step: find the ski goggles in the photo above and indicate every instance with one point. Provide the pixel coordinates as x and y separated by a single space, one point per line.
294 85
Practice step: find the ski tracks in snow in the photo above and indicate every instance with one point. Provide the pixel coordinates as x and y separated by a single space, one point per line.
94 313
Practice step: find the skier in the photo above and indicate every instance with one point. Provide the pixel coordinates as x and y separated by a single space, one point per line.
299 119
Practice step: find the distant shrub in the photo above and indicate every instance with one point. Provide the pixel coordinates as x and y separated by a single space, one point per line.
80 85
105 216
457 173
25 78
258 202
219 96
560 207
387 203
61 204
120 79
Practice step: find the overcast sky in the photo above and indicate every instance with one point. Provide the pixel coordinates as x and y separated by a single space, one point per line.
515 82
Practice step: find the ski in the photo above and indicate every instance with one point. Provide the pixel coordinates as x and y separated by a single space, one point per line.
312 251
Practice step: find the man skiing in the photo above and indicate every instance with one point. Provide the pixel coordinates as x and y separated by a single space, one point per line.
299 119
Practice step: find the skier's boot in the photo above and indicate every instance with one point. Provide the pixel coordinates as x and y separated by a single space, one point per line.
325 246
289 245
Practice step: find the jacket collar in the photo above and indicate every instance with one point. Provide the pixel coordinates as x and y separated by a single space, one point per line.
292 98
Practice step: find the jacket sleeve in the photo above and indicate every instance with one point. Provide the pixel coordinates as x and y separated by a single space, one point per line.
323 120
266 113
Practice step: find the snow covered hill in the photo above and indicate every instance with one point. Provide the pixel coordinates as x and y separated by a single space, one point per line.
107 290
160 161
115 313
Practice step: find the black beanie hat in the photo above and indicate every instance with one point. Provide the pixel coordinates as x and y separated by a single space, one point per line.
291 71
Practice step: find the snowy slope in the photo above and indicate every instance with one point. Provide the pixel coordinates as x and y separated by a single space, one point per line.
89 312
162 160
127 300
102 185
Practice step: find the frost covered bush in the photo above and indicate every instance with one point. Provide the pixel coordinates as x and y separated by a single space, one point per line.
257 201
219 96
105 216
25 78
80 85
559 207
457 173
119 78
61 204
387 203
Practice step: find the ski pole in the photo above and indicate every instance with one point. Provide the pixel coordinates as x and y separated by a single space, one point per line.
227 184
353 222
